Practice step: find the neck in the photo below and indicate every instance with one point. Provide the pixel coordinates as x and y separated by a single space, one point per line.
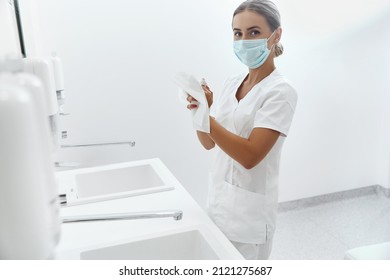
258 74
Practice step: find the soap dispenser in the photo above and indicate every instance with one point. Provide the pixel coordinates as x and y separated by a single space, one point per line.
43 69
29 207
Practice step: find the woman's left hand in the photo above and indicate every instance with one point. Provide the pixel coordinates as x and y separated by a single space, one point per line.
209 94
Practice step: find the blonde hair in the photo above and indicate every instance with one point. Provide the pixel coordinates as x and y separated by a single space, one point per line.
268 10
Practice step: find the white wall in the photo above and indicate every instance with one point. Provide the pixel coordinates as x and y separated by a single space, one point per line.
119 57
338 140
8 30
386 110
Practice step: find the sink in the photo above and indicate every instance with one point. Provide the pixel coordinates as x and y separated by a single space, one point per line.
195 242
117 181
190 244
111 182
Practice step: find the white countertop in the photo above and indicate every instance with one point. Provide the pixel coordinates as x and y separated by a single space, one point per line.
79 237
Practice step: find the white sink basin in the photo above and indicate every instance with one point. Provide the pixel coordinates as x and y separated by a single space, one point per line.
195 242
111 182
188 245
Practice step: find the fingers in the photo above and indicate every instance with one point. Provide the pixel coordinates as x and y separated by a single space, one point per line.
209 94
192 106
190 98
206 89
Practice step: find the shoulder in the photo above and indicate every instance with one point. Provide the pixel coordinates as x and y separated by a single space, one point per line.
281 88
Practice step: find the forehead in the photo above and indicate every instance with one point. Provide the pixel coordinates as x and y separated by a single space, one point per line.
249 18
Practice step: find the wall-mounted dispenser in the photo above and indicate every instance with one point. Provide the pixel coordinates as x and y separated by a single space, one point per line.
43 68
29 206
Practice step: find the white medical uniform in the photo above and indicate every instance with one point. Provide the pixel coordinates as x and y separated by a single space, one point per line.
243 202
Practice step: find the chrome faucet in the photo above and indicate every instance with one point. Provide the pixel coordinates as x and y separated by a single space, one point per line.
175 214
131 143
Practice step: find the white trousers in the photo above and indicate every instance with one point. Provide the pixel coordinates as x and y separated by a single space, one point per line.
254 251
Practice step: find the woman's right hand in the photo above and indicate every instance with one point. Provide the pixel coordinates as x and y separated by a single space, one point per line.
190 99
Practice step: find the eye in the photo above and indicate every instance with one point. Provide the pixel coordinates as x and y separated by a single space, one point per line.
254 33
237 34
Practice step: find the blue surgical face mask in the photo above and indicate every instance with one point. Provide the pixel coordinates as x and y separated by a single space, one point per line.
253 53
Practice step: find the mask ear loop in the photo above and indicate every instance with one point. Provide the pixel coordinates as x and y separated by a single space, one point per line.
273 45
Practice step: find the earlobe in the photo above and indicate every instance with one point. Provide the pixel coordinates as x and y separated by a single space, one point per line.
277 39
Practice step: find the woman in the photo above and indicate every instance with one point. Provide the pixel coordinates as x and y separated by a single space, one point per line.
251 119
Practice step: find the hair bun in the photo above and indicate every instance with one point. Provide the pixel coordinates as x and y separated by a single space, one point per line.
278 49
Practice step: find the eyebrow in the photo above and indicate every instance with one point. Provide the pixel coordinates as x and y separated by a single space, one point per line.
249 28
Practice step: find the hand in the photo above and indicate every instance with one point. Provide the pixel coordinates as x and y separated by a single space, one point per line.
209 97
190 99
209 94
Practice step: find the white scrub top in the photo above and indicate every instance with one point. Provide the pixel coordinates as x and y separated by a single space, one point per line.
243 202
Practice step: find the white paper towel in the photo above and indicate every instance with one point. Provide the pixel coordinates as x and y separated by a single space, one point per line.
189 85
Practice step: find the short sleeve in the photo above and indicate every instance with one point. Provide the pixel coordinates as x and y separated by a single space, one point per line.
278 109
